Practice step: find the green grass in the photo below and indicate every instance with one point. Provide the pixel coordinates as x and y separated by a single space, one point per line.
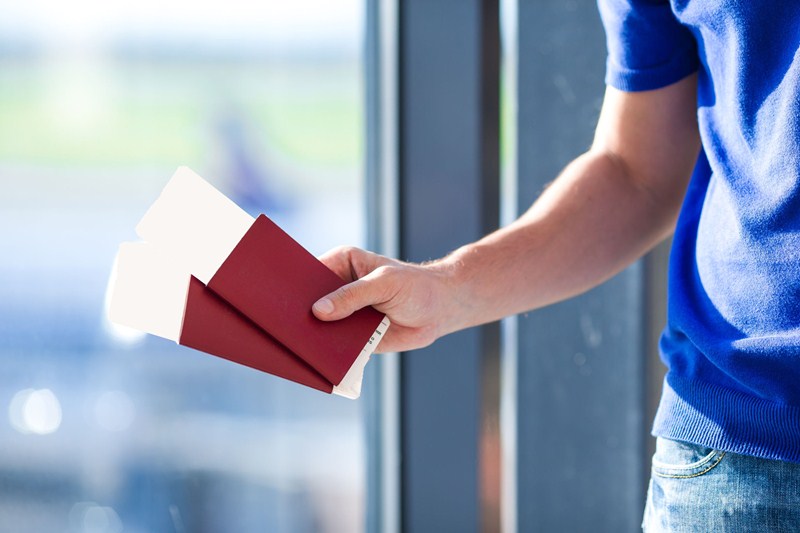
138 114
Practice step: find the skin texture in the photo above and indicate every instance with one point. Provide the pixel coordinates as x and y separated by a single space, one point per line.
607 208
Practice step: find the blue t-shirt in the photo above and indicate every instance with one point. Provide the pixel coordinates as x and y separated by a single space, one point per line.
732 340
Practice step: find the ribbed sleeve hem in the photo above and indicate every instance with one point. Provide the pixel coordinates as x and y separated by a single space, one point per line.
728 420
647 79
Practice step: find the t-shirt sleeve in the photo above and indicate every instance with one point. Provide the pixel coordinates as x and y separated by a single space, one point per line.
647 47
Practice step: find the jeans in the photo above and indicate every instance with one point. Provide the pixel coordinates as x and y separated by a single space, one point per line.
696 489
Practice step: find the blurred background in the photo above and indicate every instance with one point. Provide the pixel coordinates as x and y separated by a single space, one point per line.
103 429
408 126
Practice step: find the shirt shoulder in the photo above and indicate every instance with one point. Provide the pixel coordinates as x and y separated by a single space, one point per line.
648 47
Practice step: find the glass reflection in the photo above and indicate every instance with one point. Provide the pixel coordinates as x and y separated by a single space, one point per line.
35 411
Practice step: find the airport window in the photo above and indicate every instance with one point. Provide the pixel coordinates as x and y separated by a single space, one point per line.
104 429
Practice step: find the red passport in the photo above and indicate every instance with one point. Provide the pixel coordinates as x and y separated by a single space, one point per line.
213 326
240 288
278 295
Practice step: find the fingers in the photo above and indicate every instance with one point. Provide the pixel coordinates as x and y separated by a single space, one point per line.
350 263
369 290
338 260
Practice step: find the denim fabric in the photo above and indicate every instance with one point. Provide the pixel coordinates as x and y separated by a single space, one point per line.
695 489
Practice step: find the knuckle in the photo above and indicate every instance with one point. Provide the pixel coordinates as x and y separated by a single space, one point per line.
381 271
342 250
387 280
356 258
386 271
347 293
349 250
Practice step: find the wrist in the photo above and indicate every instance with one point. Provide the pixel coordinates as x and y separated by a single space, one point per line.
451 291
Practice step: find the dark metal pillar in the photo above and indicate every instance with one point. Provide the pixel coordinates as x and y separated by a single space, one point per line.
449 195
581 421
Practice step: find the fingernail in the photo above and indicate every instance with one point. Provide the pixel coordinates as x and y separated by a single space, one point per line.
324 306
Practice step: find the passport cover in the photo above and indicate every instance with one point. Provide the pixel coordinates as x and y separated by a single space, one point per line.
213 326
274 281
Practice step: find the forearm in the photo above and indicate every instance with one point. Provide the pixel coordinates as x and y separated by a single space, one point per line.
592 222
606 209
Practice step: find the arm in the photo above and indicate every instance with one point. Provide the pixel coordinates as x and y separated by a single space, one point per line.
609 207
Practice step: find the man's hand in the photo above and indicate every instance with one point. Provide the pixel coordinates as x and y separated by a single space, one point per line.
412 296
608 207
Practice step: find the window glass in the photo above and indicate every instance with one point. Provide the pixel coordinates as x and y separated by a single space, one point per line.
104 429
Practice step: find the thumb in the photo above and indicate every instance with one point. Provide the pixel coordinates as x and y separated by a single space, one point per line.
348 299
